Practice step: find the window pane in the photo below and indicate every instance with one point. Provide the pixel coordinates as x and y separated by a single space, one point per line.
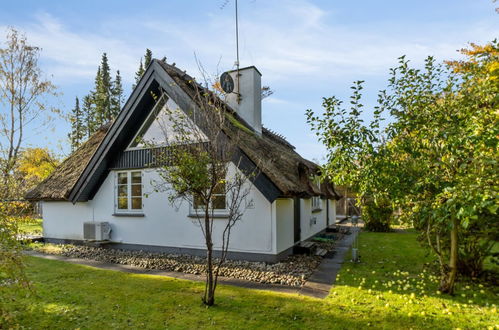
136 190
122 203
136 203
136 177
198 202
122 178
219 189
219 202
122 191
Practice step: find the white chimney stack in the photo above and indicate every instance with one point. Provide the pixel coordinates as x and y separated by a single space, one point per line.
249 91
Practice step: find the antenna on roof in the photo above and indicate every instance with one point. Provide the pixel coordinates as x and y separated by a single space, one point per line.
237 56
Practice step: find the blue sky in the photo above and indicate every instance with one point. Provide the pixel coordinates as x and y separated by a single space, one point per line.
305 49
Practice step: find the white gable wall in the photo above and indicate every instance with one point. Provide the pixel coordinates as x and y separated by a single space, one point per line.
162 224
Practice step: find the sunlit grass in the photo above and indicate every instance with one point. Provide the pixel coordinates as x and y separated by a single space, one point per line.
390 289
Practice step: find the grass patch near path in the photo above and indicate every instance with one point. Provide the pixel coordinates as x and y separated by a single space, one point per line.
74 296
30 226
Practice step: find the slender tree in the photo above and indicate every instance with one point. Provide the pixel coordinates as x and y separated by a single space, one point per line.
88 114
139 74
103 92
202 171
147 58
22 92
117 95
78 128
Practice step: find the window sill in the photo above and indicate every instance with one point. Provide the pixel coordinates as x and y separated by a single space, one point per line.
215 216
138 215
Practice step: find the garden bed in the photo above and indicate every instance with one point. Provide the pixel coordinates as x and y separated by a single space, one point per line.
292 271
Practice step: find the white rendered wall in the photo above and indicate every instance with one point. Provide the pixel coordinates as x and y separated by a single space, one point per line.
284 224
332 211
308 227
162 224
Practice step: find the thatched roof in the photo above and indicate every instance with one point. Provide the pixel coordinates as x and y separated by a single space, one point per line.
273 155
58 185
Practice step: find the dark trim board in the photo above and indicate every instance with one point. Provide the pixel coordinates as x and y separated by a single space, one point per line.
249 256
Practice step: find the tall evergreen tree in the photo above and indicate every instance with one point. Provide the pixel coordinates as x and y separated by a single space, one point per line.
88 111
78 127
103 92
143 66
138 74
117 95
147 58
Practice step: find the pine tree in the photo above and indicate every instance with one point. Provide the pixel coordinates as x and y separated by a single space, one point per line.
138 74
103 92
117 95
147 58
88 112
78 127
143 67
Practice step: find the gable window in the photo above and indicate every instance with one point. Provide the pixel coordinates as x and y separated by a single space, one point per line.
129 191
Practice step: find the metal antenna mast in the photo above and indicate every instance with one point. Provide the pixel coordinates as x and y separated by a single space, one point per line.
237 56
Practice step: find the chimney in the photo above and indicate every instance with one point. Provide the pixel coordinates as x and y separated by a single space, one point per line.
249 91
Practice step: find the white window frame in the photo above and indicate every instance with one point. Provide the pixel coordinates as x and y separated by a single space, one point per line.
216 212
316 200
129 196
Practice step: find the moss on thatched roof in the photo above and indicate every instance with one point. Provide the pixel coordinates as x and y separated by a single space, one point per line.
60 183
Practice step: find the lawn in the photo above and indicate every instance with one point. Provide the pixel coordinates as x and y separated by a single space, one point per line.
389 289
30 226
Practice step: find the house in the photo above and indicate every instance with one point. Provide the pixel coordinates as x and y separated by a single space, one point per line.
287 206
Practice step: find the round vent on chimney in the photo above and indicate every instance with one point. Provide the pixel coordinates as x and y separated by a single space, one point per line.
227 82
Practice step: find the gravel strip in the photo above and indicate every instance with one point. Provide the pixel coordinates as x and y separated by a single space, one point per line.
292 271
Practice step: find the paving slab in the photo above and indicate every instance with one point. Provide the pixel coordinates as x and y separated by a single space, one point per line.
320 282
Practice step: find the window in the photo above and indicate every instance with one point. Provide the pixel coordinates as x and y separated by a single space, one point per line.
129 191
316 203
218 200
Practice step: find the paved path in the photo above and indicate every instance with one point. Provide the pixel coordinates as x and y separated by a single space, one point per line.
317 286
321 281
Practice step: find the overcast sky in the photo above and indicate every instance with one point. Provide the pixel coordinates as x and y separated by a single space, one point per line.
305 49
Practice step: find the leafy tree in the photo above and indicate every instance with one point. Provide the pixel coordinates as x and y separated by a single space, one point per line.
36 164
435 161
22 93
201 170
78 128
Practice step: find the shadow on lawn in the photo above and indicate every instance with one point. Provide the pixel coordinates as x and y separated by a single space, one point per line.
79 296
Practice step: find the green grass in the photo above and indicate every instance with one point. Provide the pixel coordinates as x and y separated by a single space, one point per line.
31 226
74 296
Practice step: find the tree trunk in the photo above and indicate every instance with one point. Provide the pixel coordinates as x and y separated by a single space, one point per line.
447 284
209 294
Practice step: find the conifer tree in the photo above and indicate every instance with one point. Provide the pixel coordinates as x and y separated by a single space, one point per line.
143 66
147 58
117 95
138 74
78 128
88 114
103 92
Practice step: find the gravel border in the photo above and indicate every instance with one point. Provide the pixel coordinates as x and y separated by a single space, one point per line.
293 271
